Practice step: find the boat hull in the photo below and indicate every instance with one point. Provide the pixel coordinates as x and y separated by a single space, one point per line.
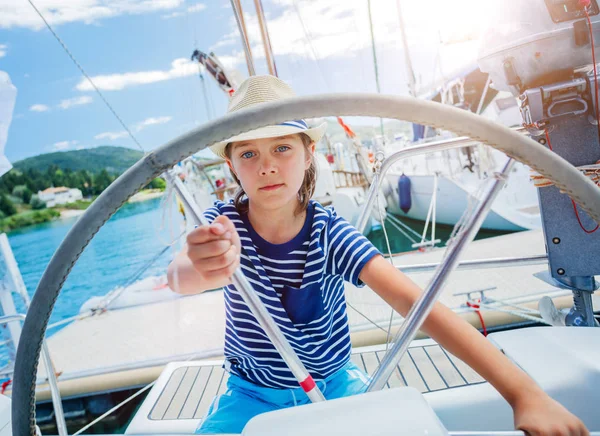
453 200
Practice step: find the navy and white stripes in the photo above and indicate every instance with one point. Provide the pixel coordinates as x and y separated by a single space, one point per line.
301 124
301 283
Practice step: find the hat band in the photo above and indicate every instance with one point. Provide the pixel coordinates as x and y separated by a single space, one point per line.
301 124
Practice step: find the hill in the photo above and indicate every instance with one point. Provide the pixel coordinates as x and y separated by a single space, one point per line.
115 160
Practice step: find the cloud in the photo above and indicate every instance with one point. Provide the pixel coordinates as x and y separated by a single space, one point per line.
76 101
329 31
3 48
151 122
198 7
21 14
172 15
112 135
138 127
181 67
39 108
63 145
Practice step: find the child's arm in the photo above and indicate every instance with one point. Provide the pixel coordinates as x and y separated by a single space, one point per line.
208 260
534 411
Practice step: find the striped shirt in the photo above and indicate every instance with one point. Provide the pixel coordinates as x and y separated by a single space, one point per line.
301 284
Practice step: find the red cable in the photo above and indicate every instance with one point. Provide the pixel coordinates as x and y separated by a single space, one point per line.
548 139
579 220
4 386
574 204
476 307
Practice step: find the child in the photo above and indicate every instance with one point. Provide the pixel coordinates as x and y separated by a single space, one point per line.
297 254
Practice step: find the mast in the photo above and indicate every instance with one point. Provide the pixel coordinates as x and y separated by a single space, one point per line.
410 74
239 17
375 63
262 22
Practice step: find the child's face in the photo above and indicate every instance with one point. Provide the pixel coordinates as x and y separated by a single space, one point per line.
271 170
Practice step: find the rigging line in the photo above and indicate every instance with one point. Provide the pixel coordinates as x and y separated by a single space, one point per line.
387 242
186 95
310 44
87 77
401 230
365 316
361 63
406 226
375 62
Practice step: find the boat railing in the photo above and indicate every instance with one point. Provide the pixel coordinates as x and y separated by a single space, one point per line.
349 179
51 376
423 306
407 152
496 262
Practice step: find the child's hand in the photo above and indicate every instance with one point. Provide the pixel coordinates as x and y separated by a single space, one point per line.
538 414
215 251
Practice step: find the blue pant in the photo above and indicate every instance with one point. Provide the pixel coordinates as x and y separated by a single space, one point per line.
243 400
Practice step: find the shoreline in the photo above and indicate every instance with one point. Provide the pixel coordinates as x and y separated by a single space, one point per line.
149 194
136 198
29 218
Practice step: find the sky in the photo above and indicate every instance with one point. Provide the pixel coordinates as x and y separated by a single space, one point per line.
137 53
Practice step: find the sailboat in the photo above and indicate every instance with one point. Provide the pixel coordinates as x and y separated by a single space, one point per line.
443 184
562 360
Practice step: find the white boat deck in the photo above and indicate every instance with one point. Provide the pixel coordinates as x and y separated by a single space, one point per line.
180 400
118 343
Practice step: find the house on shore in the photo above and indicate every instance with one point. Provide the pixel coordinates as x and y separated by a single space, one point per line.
60 195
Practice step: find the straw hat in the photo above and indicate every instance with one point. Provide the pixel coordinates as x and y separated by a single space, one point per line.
265 89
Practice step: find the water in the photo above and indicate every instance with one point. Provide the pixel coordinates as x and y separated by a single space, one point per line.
399 243
126 243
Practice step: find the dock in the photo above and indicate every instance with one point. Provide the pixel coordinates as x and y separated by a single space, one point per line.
129 347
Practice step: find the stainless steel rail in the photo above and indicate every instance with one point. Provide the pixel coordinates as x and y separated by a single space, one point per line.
497 262
424 305
415 150
54 392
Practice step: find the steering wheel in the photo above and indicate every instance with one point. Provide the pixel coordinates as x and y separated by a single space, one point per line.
565 176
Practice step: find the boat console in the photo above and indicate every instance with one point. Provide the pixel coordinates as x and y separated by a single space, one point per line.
544 52
389 412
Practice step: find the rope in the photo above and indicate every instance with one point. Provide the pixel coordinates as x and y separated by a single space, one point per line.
366 317
87 77
512 312
591 171
404 225
105 302
127 400
478 312
122 403
387 242
395 225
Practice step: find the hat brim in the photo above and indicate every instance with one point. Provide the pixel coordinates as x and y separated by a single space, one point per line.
316 133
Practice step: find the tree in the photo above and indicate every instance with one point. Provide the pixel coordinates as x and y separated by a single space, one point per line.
6 206
158 183
23 192
101 181
36 203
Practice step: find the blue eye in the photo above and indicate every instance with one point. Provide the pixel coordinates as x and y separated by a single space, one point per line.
282 148
247 155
